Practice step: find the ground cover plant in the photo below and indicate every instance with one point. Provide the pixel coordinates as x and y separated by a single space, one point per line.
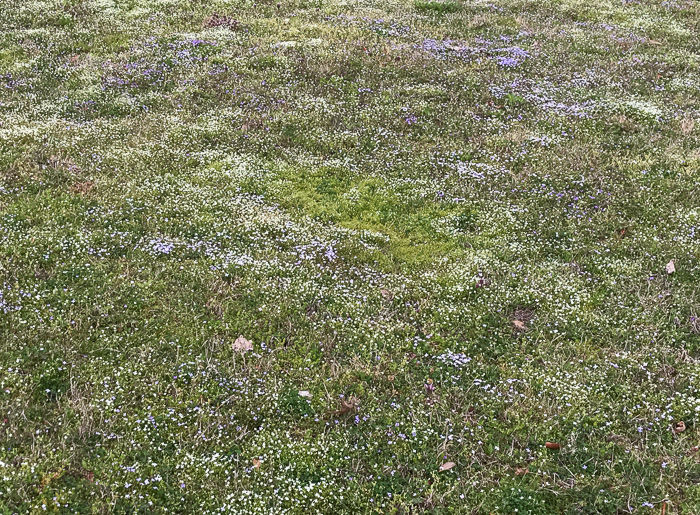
330 256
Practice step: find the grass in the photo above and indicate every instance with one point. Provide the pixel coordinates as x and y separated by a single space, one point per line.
443 227
437 6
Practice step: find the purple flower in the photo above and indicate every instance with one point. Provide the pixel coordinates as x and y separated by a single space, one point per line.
330 253
508 62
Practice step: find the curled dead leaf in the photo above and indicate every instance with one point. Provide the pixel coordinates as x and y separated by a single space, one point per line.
519 325
520 471
256 463
446 466
242 345
687 126
671 267
346 406
552 445
679 427
83 188
387 295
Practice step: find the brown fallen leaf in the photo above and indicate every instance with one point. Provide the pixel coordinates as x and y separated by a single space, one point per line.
83 188
519 325
346 406
687 126
654 42
671 267
446 466
242 345
520 471
679 427
552 445
387 295
256 463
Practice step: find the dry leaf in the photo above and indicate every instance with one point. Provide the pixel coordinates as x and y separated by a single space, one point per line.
687 126
242 345
257 463
519 325
654 42
552 445
305 393
83 188
521 472
671 267
386 294
346 406
679 427
446 466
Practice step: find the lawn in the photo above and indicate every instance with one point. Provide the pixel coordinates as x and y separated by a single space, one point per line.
343 257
